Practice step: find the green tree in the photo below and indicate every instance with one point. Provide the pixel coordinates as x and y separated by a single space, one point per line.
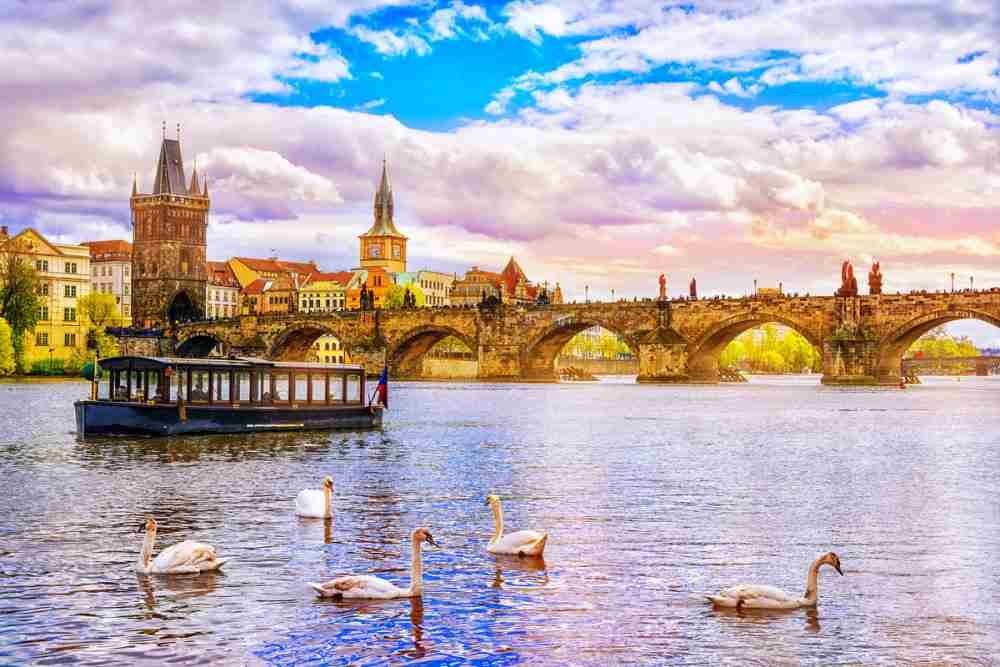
19 301
7 365
98 312
771 349
392 299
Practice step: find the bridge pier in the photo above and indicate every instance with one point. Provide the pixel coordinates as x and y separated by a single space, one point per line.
503 362
666 362
855 362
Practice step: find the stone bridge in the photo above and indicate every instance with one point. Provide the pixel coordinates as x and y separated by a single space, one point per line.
982 365
862 338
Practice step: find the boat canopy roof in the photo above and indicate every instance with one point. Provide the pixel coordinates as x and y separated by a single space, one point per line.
136 363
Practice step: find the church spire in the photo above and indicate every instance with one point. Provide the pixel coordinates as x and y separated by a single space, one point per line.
384 224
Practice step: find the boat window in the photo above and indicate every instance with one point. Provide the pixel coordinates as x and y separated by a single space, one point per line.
336 388
353 389
241 386
221 381
178 384
264 388
104 387
153 382
301 388
281 387
318 388
200 386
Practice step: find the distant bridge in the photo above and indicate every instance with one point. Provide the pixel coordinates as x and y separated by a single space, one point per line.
984 365
862 338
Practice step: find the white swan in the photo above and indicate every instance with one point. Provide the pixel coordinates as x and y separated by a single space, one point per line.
751 596
521 543
373 588
315 503
184 558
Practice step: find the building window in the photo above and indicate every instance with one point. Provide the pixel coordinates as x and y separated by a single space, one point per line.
70 267
126 269
43 289
124 290
42 339
42 265
69 291
69 314
127 309
43 313
69 340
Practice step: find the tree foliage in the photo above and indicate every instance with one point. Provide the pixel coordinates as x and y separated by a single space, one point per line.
392 298
771 349
937 344
603 345
98 311
19 300
7 365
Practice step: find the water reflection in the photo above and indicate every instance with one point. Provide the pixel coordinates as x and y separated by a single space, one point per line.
648 491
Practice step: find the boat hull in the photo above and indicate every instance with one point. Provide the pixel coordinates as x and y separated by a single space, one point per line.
121 418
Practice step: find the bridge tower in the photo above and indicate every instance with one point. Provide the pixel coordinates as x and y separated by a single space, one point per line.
169 225
383 246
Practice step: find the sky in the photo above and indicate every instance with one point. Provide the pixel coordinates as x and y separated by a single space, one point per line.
601 142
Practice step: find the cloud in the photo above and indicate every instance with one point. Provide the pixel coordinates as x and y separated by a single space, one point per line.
391 43
373 104
455 21
735 88
444 23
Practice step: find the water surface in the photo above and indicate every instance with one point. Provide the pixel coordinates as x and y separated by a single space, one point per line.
652 495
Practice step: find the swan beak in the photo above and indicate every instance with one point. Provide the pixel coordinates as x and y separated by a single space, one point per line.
837 567
430 540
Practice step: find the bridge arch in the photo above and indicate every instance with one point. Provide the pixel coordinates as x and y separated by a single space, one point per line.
895 344
182 308
538 359
295 342
198 344
703 353
406 355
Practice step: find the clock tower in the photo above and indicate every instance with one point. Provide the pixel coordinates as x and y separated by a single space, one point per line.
383 246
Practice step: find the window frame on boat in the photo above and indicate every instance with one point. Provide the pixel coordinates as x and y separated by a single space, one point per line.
210 382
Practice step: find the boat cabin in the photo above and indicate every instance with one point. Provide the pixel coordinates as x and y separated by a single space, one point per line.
231 382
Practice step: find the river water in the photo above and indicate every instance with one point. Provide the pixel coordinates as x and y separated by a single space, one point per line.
652 495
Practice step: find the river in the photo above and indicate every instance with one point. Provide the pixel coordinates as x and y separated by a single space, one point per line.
652 496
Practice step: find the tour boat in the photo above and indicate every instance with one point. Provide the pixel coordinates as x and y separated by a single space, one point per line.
173 396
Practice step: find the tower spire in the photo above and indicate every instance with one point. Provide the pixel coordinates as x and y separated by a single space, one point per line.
384 199
194 189
135 184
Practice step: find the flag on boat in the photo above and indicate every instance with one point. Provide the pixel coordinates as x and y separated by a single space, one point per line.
383 387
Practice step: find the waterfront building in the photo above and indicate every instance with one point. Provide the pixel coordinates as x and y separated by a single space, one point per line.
64 276
222 296
324 292
510 286
436 287
168 253
328 350
383 246
249 269
376 280
111 273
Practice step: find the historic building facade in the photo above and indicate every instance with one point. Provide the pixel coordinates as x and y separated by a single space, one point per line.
324 292
383 246
111 273
436 287
510 286
168 255
63 276
222 292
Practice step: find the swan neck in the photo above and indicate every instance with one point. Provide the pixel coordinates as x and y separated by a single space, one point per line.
812 581
497 522
327 501
146 555
416 570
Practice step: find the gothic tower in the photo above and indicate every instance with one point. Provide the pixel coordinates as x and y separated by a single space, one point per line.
169 273
382 245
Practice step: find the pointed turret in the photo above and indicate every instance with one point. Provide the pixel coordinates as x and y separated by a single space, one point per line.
135 185
205 191
194 189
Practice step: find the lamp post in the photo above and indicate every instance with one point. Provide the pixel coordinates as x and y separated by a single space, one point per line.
952 281
972 283
51 350
612 295
586 293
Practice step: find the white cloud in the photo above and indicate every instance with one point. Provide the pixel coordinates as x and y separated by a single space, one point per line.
390 43
373 104
443 23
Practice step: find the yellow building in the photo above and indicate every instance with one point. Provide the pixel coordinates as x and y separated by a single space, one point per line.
328 350
324 292
64 277
382 246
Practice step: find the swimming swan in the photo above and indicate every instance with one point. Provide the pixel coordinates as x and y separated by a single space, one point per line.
315 503
184 558
521 543
747 596
373 588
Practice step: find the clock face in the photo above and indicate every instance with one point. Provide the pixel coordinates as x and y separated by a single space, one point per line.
374 251
396 251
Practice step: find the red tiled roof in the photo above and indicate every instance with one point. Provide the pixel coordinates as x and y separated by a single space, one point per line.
258 286
108 250
220 274
340 277
277 265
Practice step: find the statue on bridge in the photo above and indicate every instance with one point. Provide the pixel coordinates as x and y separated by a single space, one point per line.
875 280
693 289
365 299
663 287
848 283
